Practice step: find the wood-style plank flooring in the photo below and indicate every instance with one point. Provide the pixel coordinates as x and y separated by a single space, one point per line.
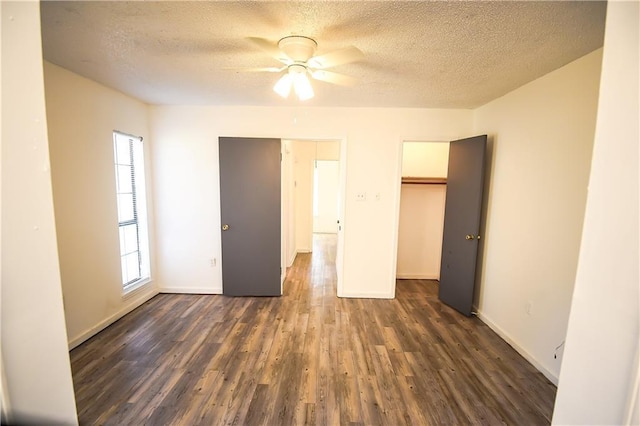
307 357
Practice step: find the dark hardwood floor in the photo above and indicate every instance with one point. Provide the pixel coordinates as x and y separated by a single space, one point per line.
307 357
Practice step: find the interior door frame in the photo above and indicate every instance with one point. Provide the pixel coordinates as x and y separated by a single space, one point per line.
488 182
399 198
342 185
396 217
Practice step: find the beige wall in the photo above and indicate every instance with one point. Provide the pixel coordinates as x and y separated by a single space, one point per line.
420 159
185 152
327 150
599 380
420 231
35 360
303 157
542 137
82 116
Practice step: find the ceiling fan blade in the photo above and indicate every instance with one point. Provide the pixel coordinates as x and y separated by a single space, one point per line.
269 47
261 69
337 57
333 77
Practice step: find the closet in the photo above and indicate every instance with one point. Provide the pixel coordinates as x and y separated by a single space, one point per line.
422 201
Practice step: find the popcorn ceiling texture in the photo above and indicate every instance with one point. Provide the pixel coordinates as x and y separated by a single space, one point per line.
448 54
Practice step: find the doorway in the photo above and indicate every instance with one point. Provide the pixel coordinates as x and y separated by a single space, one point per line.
326 176
460 237
422 202
314 191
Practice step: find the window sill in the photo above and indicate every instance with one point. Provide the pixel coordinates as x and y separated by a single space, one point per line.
135 288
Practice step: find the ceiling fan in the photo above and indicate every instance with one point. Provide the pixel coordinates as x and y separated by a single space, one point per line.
297 55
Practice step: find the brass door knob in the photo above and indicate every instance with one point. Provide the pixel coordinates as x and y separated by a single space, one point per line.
225 227
469 237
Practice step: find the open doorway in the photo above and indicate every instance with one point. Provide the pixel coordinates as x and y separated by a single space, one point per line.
313 176
422 203
326 175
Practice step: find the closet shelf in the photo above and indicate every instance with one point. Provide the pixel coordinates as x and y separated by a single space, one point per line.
424 180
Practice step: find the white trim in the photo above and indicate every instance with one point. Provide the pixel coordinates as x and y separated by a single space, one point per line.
5 404
190 290
135 303
398 181
507 338
135 288
359 295
342 213
303 251
632 411
395 225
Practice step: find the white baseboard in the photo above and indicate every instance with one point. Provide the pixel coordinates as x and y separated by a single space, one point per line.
132 304
417 277
526 355
366 295
190 290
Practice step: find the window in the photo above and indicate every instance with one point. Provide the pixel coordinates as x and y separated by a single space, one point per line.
132 210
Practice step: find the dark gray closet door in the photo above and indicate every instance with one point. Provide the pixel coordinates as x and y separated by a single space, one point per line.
465 182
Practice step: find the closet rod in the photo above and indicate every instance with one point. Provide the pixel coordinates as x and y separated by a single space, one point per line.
424 181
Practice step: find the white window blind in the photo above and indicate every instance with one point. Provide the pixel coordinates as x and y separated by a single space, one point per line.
132 210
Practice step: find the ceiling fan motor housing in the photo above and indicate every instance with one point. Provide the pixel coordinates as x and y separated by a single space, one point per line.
298 48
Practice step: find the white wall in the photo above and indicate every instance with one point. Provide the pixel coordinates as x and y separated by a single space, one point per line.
601 359
303 159
185 153
34 343
82 116
326 184
542 136
420 231
425 159
327 150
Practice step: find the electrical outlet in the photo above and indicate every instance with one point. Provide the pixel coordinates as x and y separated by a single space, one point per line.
378 196
361 196
213 262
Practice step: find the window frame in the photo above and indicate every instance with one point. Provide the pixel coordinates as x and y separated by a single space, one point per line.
135 188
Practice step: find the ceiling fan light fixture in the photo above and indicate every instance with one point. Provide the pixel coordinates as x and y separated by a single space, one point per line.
295 77
302 87
283 86
298 48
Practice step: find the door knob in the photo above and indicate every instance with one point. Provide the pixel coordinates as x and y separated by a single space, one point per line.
469 237
225 227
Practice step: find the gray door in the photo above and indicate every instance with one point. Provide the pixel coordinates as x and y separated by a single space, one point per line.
465 182
250 212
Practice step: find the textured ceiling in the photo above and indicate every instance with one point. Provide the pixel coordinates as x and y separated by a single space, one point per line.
445 54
